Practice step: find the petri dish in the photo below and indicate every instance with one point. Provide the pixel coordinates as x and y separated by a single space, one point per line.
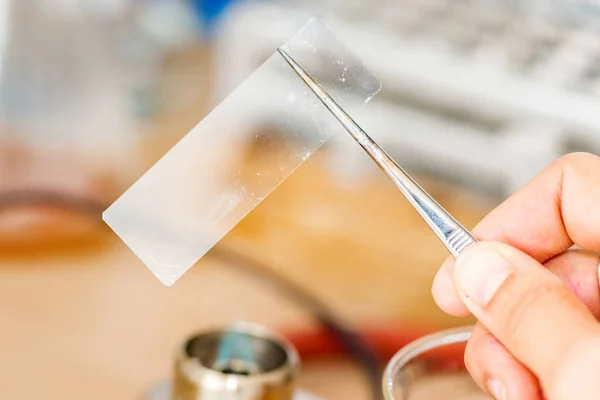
431 368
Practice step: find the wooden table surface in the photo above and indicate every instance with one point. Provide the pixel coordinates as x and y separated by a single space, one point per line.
95 324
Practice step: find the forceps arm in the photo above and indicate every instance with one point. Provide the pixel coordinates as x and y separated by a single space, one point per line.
452 234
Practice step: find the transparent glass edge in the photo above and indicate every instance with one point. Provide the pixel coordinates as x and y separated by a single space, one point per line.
420 346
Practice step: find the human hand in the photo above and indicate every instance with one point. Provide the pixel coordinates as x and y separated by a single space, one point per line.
537 301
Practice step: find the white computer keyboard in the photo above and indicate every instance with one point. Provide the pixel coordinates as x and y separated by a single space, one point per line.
473 91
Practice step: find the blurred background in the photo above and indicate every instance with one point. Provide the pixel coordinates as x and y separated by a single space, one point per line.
478 96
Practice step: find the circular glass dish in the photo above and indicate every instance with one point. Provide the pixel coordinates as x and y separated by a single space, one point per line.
432 367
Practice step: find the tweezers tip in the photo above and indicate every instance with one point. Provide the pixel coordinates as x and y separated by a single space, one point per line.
284 54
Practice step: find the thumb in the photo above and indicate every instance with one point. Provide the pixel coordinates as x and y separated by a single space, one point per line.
534 315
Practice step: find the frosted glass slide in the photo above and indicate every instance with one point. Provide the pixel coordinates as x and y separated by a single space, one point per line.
222 169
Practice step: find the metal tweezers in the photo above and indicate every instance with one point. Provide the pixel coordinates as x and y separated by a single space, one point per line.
452 234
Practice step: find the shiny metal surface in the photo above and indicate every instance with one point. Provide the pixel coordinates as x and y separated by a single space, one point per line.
452 234
241 362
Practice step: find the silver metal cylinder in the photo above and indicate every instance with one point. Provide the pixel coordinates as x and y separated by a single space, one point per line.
240 362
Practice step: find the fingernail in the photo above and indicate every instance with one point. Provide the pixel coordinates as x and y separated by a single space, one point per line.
444 278
496 389
480 273
447 269
448 266
599 269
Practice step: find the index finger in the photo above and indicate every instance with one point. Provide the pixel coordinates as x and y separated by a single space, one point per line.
558 208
